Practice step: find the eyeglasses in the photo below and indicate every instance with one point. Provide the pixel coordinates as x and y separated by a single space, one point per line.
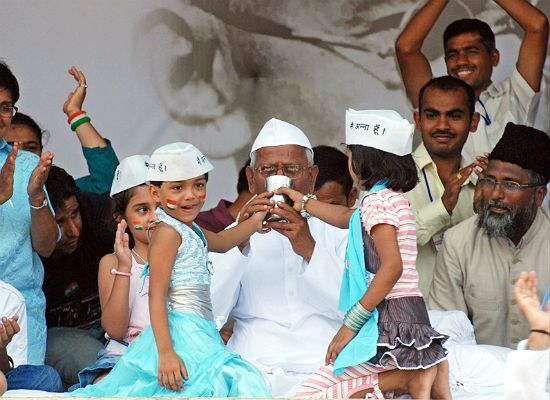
7 110
292 171
507 186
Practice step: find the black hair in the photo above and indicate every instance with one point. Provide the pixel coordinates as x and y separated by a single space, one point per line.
61 186
242 182
333 167
122 199
448 83
8 81
159 183
373 165
23 119
469 25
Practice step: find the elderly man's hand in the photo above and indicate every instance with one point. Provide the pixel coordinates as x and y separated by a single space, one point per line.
8 328
296 229
6 175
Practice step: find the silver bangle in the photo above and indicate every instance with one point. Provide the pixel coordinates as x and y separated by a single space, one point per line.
305 199
41 206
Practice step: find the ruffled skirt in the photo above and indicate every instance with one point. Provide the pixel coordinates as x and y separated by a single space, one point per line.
213 370
406 339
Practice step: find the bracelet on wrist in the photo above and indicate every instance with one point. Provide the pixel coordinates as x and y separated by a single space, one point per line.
74 115
540 331
305 199
78 118
356 317
115 271
41 206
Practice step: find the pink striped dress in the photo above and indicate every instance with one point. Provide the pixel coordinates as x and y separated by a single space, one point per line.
406 340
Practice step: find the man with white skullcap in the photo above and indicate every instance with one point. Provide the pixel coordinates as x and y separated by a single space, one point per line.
283 287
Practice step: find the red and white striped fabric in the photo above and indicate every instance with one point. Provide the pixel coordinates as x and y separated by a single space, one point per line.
390 207
323 384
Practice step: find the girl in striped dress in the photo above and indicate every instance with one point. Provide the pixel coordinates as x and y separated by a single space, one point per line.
386 343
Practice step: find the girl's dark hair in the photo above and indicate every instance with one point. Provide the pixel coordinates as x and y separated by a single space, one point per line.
23 119
373 165
122 199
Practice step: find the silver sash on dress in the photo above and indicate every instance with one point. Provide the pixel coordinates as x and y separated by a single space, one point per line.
192 298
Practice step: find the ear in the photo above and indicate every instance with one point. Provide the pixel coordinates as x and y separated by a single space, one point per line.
474 122
155 192
352 196
313 172
540 193
416 116
250 178
495 57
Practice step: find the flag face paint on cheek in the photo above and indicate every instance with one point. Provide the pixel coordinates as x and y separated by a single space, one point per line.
201 197
171 204
137 225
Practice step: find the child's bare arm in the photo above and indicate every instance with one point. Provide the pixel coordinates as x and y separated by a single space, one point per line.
229 238
332 214
162 254
114 289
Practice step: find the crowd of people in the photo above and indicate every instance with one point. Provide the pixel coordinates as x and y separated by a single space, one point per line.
331 298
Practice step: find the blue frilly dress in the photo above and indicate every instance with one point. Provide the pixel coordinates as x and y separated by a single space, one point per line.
213 370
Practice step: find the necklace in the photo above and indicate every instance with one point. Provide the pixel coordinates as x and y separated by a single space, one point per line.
138 256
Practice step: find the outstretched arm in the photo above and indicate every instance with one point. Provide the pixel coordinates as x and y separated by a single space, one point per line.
332 214
415 67
532 52
223 241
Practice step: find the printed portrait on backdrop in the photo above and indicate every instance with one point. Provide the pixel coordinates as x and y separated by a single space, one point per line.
221 68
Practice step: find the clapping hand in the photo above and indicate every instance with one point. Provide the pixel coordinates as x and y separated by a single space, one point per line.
8 328
35 188
525 292
6 175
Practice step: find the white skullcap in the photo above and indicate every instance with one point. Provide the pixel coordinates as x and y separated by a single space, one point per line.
130 172
381 129
280 133
177 162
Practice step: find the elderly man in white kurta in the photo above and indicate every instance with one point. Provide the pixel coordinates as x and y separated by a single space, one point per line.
282 288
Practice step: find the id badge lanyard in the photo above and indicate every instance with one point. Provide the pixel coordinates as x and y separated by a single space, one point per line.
437 239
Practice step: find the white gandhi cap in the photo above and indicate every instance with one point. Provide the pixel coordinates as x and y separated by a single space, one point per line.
280 133
380 129
130 172
177 162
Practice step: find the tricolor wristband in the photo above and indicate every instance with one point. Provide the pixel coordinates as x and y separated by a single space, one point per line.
74 115
77 121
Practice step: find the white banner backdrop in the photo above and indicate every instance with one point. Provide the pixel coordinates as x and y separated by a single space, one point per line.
211 72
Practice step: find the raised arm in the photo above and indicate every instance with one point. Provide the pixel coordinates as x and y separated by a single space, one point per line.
532 52
415 67
114 290
43 226
6 175
101 158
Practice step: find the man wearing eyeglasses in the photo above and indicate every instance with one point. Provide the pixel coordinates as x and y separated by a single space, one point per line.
483 257
282 288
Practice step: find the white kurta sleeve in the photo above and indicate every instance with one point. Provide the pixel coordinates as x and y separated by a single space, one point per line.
12 303
322 276
226 282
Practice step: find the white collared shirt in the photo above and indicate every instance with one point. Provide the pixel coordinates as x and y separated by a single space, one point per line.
12 303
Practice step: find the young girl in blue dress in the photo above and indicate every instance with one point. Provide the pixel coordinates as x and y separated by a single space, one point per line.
182 351
386 342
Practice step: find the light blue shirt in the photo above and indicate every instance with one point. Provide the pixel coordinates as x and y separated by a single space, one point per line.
20 265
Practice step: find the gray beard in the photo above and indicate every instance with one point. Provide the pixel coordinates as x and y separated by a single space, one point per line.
516 221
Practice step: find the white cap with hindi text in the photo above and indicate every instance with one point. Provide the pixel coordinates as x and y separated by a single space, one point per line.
280 133
177 162
380 129
129 173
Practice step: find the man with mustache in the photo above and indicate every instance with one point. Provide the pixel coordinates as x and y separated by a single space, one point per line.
471 55
444 194
484 256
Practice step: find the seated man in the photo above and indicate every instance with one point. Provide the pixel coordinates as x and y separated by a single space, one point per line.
483 256
283 288
73 312
225 213
334 184
13 348
444 194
